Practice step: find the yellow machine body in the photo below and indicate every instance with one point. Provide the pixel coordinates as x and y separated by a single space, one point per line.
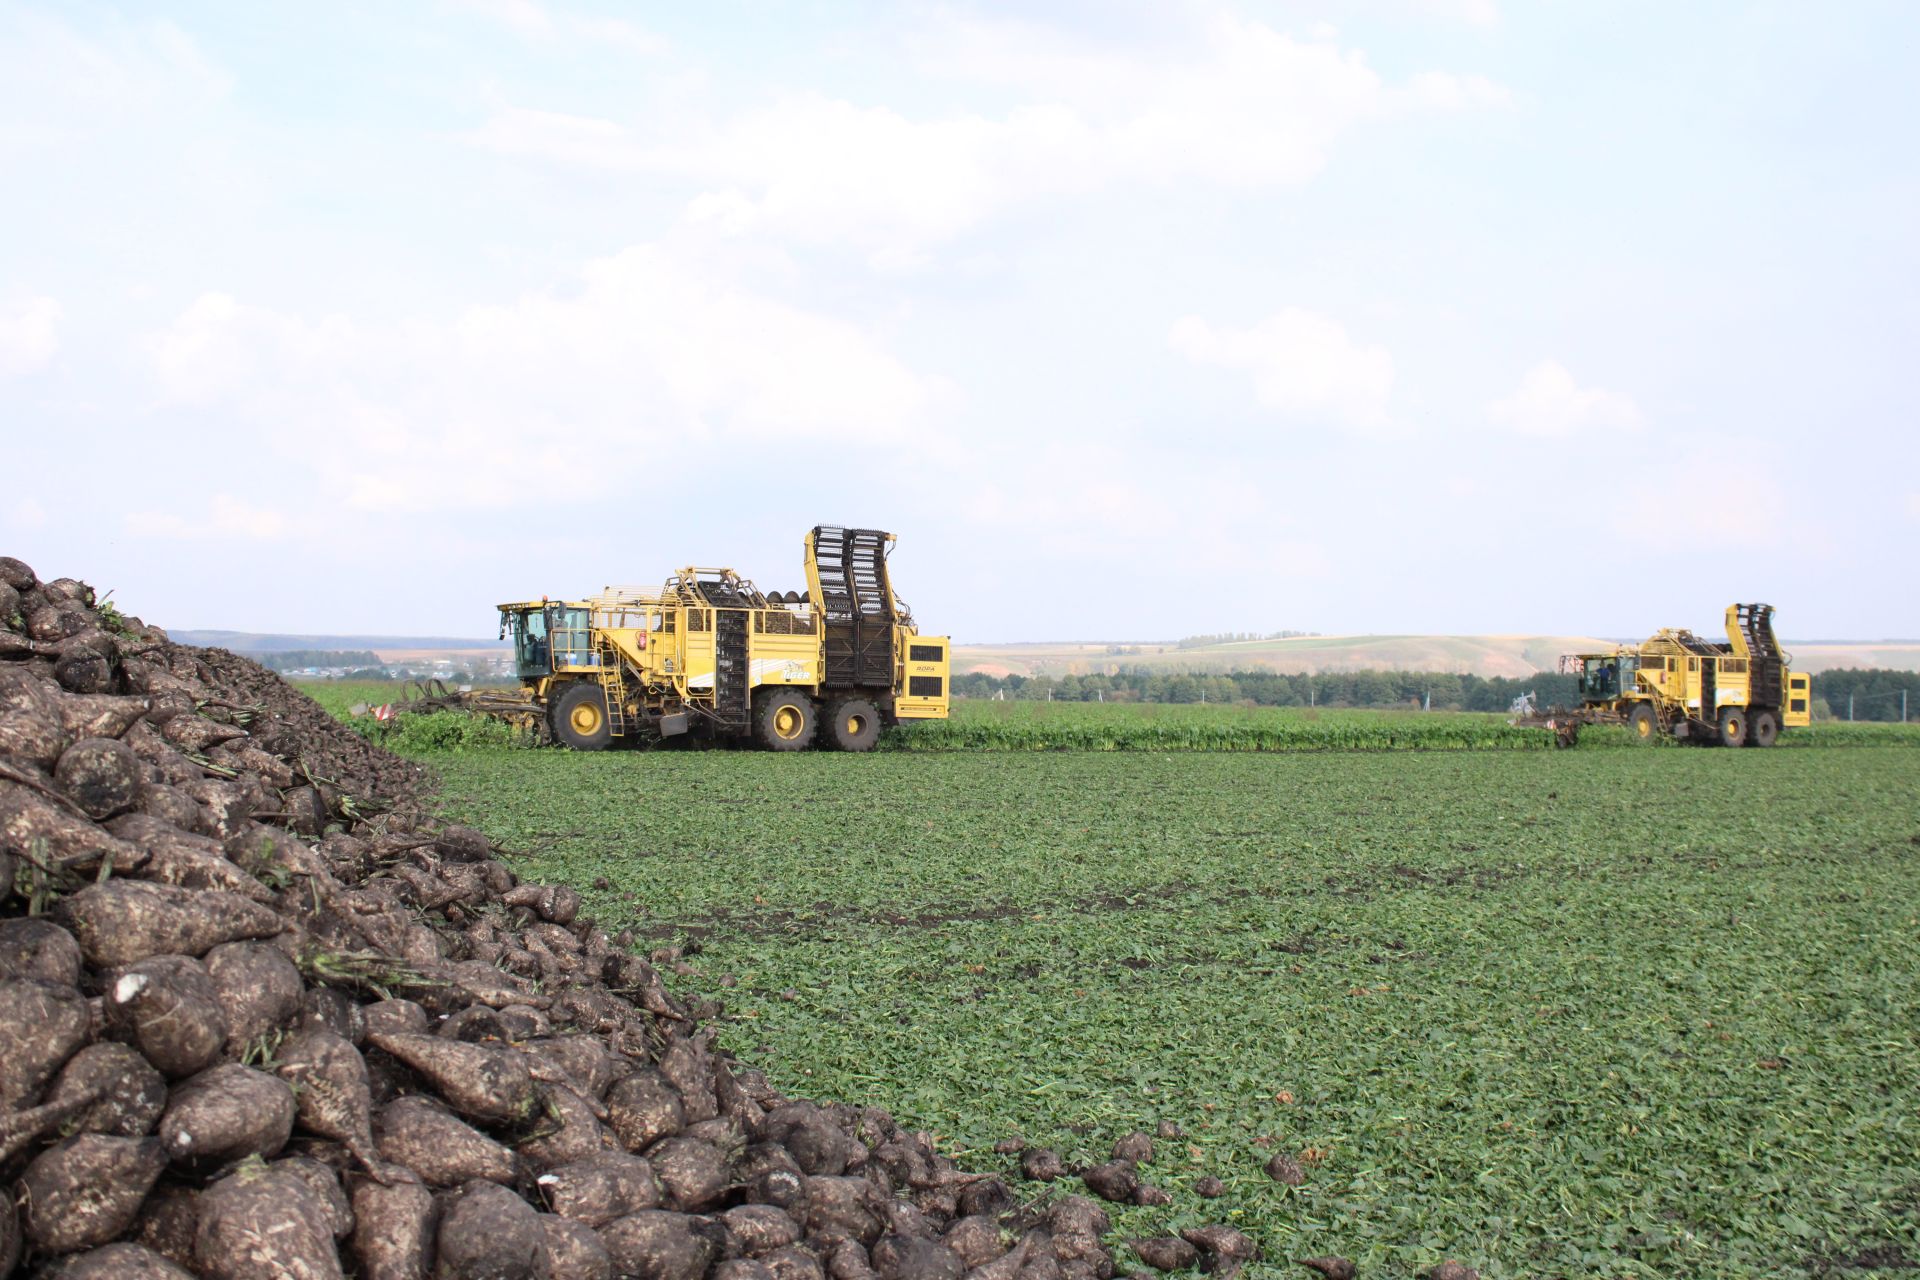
708 654
1740 693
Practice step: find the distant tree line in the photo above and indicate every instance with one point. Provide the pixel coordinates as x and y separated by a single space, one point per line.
1876 692
298 659
1237 637
1447 690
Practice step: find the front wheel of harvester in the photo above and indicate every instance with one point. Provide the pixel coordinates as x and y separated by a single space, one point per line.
784 721
1643 724
853 724
580 718
1763 730
1733 726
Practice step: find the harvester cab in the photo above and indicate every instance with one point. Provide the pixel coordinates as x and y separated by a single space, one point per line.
1604 676
547 635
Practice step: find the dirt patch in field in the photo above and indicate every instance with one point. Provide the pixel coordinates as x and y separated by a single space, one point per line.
1402 876
824 916
1884 1257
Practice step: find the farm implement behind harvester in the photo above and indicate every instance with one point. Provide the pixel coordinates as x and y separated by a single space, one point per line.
1563 722
513 704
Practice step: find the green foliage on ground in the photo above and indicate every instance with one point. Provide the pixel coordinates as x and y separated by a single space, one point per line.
427 734
1083 726
337 696
1612 1012
439 731
1087 726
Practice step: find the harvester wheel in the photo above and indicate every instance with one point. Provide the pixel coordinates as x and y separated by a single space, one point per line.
785 721
580 718
1643 724
1733 726
1764 730
853 724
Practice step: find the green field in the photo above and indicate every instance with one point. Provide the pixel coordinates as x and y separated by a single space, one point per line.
1591 1012
1113 726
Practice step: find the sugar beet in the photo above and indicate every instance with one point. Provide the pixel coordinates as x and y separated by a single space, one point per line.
86 1191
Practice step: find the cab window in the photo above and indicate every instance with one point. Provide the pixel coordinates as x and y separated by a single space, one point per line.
1600 678
571 636
531 655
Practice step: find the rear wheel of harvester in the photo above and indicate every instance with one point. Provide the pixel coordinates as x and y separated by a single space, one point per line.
1733 726
580 718
784 721
1643 724
1763 730
853 724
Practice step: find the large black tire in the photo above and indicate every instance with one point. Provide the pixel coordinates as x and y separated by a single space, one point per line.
1733 726
1643 724
1763 730
852 724
784 720
580 718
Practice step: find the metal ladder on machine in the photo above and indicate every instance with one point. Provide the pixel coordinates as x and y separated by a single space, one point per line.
613 688
731 694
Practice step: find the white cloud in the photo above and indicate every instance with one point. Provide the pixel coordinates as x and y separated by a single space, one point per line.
224 518
29 335
1480 13
1237 104
579 141
1548 402
1706 494
1444 91
620 34
59 85
541 25
1303 365
1913 505
26 513
220 348
522 16
1063 503
647 354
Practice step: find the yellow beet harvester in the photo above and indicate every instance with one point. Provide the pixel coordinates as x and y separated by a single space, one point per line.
1740 693
710 656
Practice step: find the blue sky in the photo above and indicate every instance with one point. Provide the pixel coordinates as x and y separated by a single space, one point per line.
1133 321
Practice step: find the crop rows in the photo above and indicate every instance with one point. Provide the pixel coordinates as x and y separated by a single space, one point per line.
1081 726
1617 1012
1154 727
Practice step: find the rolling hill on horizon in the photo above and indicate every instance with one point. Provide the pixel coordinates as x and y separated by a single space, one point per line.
268 642
1484 655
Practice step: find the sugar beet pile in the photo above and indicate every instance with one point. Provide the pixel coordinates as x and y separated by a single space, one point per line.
262 1014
